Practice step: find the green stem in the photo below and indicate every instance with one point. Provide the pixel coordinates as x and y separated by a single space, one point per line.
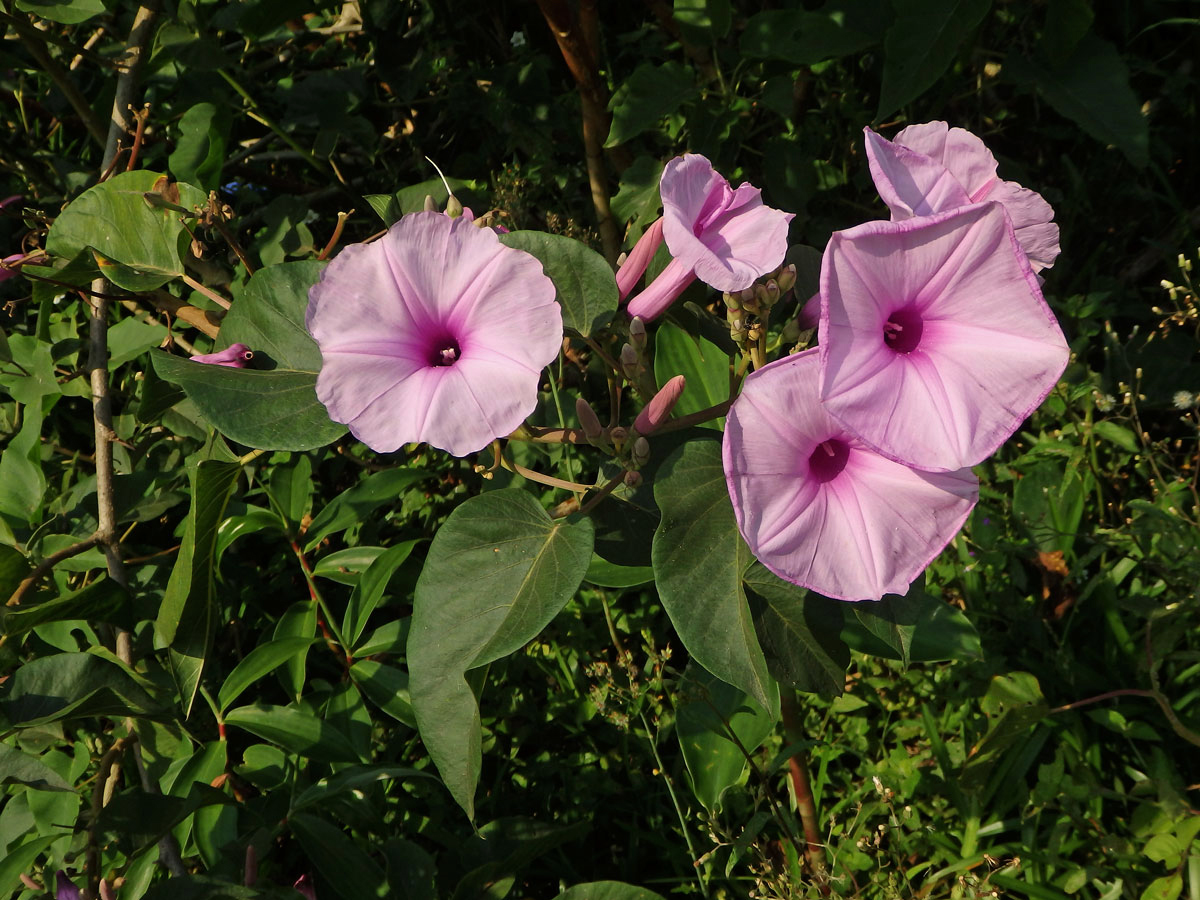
331 626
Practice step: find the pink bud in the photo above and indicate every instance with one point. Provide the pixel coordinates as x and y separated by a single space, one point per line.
304 886
588 419
9 201
234 356
5 272
658 410
639 258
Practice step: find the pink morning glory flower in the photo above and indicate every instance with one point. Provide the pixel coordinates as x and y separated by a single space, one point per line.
818 507
235 356
436 332
725 237
935 341
933 168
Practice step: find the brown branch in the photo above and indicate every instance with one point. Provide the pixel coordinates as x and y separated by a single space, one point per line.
106 530
577 41
49 563
202 320
806 805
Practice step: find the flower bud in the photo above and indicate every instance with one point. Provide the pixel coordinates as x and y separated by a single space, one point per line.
630 364
637 333
762 297
773 292
658 410
430 203
786 279
641 452
732 301
588 419
618 436
633 479
454 207
234 356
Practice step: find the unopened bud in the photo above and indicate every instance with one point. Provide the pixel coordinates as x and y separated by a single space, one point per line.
773 292
592 428
732 301
430 203
641 452
629 362
618 436
658 410
762 297
106 890
234 356
786 279
453 207
637 333
633 479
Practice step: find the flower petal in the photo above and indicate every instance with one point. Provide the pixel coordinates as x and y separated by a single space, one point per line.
435 333
728 237
910 183
989 348
867 531
659 294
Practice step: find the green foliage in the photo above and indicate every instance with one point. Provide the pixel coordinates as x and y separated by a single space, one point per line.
1023 721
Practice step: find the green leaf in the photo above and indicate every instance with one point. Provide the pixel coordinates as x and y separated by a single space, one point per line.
275 410
1048 500
650 93
295 731
1067 21
349 872
369 590
130 338
290 491
1014 703
138 819
707 711
65 12
921 44
1168 887
606 574
21 768
22 482
498 571
354 778
799 633
139 246
356 503
260 661
1091 88
187 619
298 620
801 38
72 685
20 859
386 687
197 887
346 566
703 21
913 628
700 559
702 362
586 286
607 890
199 152
637 201
268 317
103 600
14 568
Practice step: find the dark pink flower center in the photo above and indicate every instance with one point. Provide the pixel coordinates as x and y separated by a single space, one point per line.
828 460
445 351
902 330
